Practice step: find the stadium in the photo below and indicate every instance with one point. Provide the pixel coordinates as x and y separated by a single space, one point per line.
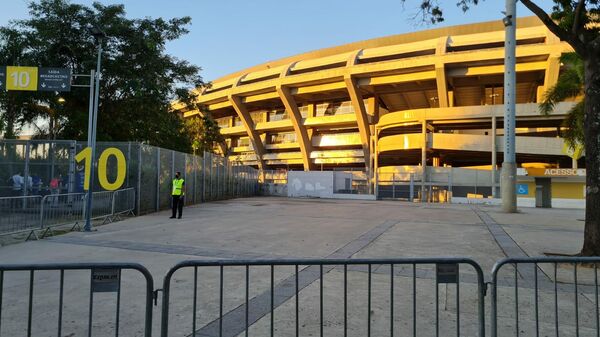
387 108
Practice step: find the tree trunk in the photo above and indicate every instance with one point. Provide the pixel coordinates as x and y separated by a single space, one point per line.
591 243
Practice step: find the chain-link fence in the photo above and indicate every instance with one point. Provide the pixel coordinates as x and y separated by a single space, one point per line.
42 167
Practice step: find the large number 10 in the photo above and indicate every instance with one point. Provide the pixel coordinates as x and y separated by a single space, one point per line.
20 79
86 154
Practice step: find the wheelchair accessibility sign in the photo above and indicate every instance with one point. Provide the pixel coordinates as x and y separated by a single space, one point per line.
522 189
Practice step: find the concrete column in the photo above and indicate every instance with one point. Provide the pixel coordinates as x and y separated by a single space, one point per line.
574 163
509 166
494 163
424 160
376 162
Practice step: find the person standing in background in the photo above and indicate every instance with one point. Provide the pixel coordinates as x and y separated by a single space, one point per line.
17 184
177 195
55 189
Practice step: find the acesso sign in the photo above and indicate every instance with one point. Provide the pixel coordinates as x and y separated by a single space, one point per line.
555 172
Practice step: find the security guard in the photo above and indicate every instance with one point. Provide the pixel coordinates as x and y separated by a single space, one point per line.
178 194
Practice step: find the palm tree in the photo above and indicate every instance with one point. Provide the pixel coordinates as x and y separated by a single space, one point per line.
570 84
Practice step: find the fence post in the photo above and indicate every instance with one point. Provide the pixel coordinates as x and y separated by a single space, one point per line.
52 154
476 177
158 179
203 177
194 166
226 177
127 163
412 187
42 211
112 209
172 165
72 153
185 198
393 185
26 170
139 180
450 180
218 167
210 176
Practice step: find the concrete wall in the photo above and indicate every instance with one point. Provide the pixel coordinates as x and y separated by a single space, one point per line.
315 184
274 189
339 179
522 202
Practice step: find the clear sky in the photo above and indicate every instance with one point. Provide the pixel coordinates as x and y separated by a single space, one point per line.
229 35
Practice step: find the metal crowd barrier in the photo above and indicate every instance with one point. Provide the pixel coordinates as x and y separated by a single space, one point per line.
247 311
123 202
32 213
105 284
18 214
544 296
61 209
559 281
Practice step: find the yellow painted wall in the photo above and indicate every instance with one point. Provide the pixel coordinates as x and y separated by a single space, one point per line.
568 190
559 190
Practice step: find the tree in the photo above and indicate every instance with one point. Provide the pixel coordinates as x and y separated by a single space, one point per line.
578 24
139 79
205 134
569 85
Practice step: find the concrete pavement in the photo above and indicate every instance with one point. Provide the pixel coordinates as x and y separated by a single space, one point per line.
304 228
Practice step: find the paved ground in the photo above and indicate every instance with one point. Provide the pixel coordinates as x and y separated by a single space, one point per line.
286 228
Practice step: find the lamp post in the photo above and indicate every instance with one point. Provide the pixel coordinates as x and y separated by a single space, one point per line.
509 166
98 35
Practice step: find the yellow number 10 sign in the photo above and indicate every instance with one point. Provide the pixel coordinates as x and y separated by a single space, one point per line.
21 78
86 155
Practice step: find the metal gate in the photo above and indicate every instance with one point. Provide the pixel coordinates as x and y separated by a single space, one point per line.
545 296
65 290
351 296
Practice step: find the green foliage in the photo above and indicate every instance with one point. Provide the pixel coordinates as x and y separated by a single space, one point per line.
569 85
204 133
139 79
431 11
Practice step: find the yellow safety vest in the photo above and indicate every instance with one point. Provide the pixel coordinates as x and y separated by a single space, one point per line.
177 187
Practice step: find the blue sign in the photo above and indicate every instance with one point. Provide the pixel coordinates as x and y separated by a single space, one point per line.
522 189
79 181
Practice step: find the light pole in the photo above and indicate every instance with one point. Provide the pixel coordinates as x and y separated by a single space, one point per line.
509 166
98 35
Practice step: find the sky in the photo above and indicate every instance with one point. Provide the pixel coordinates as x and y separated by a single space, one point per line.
230 35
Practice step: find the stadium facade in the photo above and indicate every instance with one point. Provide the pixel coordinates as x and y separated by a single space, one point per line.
395 104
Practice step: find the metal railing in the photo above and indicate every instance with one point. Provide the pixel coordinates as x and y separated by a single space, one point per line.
543 296
61 209
19 213
31 213
148 169
295 283
565 291
64 312
102 205
123 202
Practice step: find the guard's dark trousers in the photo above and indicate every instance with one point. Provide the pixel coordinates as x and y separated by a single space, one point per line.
177 205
